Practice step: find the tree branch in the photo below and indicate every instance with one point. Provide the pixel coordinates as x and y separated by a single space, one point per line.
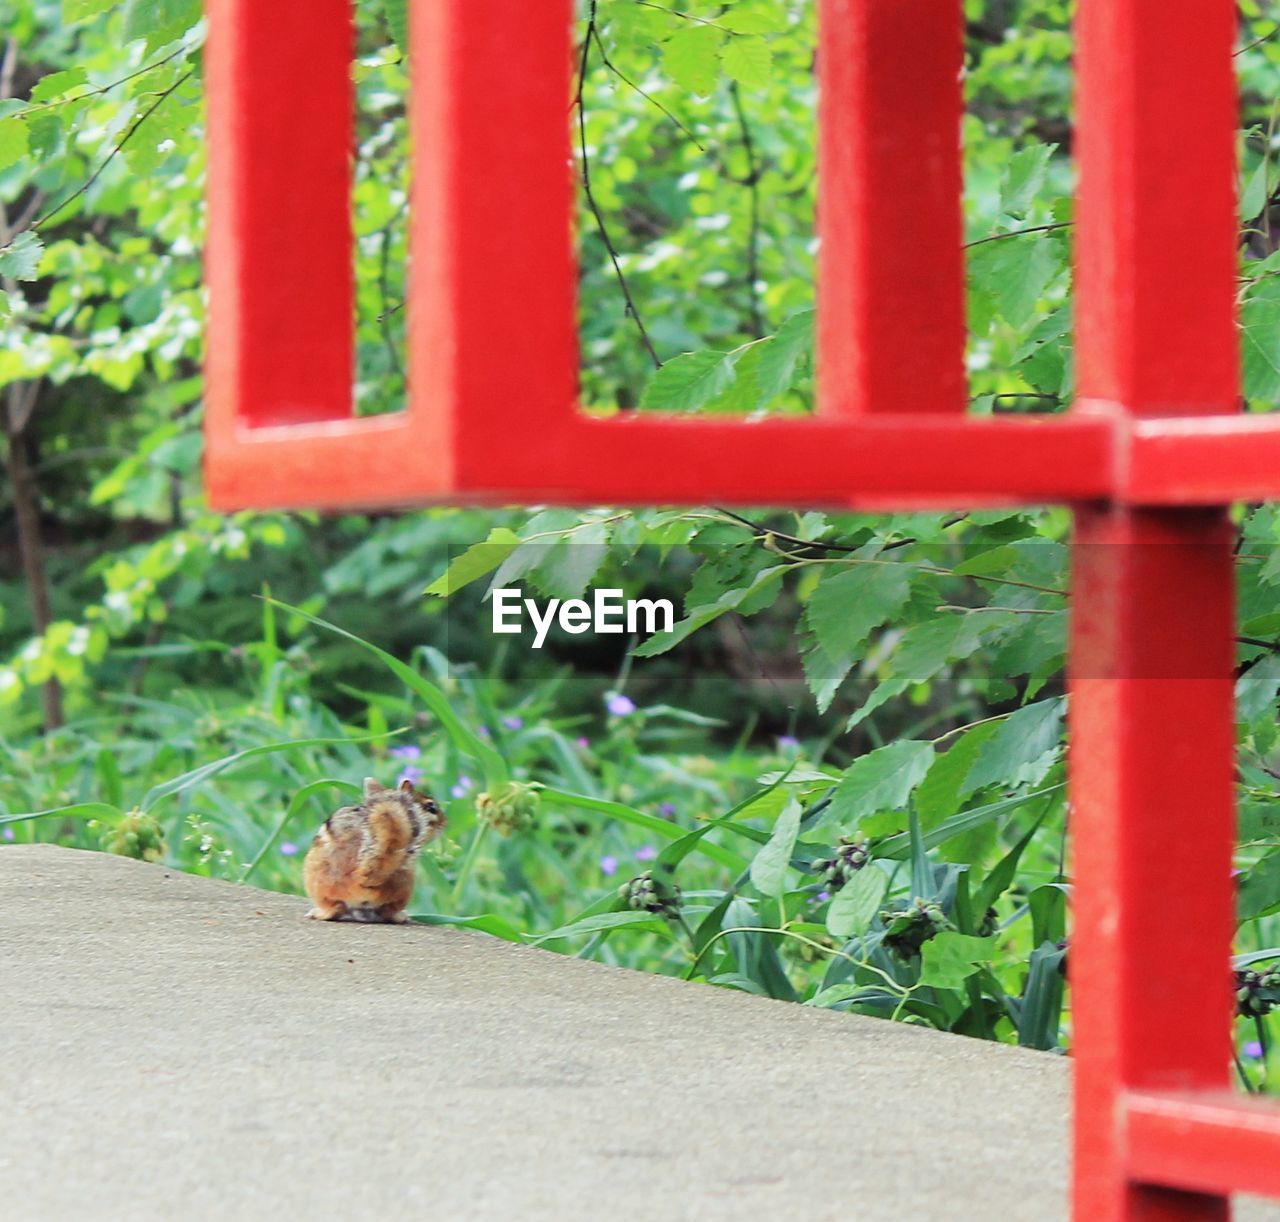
591 199
111 156
752 183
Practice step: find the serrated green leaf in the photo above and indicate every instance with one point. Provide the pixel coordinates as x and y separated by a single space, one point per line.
856 903
1256 689
753 21
743 392
849 604
1260 892
1018 745
938 795
882 779
20 260
569 564
950 958
1253 196
160 21
1260 331
823 674
924 651
699 617
1015 272
477 561
78 10
747 61
158 137
396 13
1024 177
691 58
690 381
13 141
996 560
784 357
56 84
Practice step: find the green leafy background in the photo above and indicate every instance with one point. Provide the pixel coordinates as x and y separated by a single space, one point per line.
839 782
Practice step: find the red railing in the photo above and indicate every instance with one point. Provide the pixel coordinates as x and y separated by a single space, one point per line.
1149 456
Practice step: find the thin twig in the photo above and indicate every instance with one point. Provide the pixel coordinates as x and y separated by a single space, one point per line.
764 532
648 97
384 272
675 12
591 199
1017 233
111 156
752 183
94 93
1257 42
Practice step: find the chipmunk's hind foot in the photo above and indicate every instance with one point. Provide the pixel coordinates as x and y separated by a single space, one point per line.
328 912
384 914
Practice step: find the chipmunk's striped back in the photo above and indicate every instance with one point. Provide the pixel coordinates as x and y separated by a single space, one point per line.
362 859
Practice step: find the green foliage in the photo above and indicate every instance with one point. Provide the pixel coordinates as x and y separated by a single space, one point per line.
871 818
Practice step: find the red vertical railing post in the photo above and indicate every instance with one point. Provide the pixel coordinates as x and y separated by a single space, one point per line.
1152 725
1152 763
891 320
491 329
279 262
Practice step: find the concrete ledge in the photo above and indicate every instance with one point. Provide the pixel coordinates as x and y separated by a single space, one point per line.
176 1047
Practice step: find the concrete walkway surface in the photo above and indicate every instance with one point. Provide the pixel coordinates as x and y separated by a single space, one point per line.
179 1048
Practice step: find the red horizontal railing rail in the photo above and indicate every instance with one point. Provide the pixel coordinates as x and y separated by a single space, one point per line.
1150 456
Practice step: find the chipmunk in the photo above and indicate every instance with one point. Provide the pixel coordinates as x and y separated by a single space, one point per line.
360 865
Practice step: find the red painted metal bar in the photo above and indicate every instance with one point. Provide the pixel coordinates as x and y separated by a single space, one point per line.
1152 760
1204 1142
1152 748
1156 224
1205 460
891 325
913 462
493 340
278 258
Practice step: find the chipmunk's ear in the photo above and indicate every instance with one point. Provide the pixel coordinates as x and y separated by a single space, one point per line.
371 787
406 786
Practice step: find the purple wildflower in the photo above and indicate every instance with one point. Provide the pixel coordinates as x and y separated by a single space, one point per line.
584 742
619 705
461 787
407 752
513 723
824 895
412 773
788 742
483 731
288 849
667 810
608 866
8 833
646 852
1253 1049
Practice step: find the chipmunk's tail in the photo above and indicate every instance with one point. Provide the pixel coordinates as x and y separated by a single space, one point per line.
388 837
